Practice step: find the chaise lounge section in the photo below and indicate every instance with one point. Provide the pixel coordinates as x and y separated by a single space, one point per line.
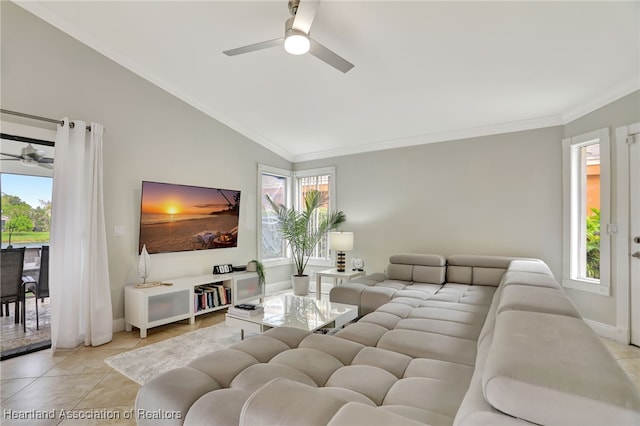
463 340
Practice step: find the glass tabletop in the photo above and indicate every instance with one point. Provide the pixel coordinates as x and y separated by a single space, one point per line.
302 312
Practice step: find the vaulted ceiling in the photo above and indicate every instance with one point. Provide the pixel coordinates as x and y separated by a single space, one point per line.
424 71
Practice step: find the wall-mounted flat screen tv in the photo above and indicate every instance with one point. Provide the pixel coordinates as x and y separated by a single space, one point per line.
182 217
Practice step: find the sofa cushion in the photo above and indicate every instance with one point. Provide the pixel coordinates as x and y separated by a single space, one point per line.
418 259
343 350
316 364
359 414
392 362
372 382
365 333
285 403
374 297
399 272
258 375
223 365
262 348
478 270
383 319
175 390
446 371
536 299
428 394
448 328
429 274
221 407
348 293
553 369
530 279
421 344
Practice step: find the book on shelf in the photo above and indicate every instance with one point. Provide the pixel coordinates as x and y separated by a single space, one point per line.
208 296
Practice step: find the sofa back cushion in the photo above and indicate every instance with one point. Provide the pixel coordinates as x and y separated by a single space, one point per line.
478 270
399 272
553 369
420 268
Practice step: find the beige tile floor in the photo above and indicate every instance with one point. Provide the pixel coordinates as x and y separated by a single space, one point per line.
78 382
13 335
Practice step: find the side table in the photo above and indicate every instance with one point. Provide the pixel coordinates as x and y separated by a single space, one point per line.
333 273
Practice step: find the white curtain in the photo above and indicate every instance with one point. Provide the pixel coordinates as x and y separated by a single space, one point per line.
78 269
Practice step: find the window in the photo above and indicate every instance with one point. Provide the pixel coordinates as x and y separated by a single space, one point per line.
322 180
586 198
275 183
289 188
26 209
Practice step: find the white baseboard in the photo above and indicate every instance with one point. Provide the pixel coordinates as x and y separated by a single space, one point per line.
604 330
118 325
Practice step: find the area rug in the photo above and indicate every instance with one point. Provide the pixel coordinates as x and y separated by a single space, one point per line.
143 364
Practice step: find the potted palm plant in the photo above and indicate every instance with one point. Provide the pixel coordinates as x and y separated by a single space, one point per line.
303 230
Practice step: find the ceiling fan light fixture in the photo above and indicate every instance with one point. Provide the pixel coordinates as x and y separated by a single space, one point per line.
296 42
30 162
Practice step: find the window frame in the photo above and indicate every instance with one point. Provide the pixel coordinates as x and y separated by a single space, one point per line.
323 171
287 175
574 216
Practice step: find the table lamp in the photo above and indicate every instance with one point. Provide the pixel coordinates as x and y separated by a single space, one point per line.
341 242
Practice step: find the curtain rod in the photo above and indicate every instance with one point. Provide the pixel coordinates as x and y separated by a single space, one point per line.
37 117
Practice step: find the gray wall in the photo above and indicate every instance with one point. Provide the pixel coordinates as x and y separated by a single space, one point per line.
150 135
498 195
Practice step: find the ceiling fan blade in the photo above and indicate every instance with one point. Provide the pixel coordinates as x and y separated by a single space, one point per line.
329 57
15 157
304 16
253 47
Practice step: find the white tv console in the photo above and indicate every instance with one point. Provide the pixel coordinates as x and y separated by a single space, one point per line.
150 307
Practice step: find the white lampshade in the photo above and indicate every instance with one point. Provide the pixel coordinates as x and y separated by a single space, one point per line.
341 241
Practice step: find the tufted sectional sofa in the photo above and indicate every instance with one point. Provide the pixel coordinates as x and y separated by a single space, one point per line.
464 340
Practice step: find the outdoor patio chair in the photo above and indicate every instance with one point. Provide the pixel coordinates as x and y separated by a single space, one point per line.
39 287
11 262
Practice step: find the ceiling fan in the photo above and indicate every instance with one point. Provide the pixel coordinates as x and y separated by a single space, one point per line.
297 40
31 157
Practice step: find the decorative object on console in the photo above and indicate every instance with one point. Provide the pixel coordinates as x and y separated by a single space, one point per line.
222 269
257 267
144 264
341 242
358 264
303 232
195 218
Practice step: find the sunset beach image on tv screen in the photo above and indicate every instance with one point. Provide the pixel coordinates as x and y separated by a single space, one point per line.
181 217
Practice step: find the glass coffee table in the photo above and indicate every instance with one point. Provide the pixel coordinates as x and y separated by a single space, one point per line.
294 311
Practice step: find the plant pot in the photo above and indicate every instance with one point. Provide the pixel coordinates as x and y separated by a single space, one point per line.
300 285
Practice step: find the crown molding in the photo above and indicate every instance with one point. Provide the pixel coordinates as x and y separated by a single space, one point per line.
615 93
496 129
